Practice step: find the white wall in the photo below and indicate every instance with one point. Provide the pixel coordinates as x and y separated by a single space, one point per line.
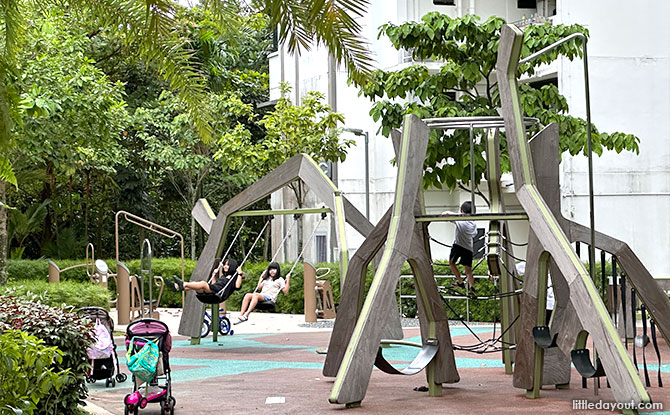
629 78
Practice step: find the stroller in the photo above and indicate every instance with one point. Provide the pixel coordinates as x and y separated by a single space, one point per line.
149 342
103 355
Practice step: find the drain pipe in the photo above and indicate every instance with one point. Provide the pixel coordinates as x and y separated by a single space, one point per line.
359 132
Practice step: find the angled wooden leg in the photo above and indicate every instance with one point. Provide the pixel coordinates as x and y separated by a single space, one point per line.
432 316
356 368
353 295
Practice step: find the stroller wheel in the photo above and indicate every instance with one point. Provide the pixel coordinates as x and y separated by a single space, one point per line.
92 380
172 402
107 382
121 377
143 403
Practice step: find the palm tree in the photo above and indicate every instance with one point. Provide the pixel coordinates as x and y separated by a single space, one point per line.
328 22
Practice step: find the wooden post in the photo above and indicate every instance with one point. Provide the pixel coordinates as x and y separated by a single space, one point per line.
309 289
54 273
122 293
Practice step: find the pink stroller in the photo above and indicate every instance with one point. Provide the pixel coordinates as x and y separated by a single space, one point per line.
104 361
159 388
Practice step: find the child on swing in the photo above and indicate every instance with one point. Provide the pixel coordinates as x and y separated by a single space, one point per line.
270 283
220 279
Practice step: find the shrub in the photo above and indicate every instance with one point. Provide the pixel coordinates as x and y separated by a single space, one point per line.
27 374
73 294
60 328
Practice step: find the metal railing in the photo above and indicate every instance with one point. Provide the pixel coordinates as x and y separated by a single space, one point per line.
410 277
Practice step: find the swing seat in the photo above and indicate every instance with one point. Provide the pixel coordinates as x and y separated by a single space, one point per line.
266 306
581 358
543 337
425 356
209 298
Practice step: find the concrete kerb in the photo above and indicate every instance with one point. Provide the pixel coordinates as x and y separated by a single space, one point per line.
259 322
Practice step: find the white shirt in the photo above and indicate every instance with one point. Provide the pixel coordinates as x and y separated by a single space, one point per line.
272 287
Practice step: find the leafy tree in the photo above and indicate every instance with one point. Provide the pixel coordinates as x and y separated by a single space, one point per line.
150 30
310 128
71 116
175 150
464 86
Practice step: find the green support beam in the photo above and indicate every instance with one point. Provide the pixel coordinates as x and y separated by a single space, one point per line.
475 217
279 212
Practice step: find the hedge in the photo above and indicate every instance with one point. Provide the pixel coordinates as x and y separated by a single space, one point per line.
286 303
59 328
64 294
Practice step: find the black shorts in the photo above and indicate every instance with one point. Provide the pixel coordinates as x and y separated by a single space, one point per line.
458 252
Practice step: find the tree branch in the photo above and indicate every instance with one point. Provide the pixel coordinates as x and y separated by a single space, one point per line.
477 192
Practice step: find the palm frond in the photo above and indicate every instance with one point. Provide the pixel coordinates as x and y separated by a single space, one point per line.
6 171
151 25
5 118
10 15
329 22
340 32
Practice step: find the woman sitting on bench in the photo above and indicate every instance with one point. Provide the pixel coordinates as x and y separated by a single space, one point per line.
270 283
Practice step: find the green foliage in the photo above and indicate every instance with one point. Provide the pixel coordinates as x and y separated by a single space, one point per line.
57 328
27 374
22 224
63 294
66 97
6 171
331 23
465 86
310 128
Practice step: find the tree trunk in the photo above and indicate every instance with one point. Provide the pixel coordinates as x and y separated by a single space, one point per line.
88 201
3 235
192 237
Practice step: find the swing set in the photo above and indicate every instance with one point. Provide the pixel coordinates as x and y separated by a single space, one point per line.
222 295
300 167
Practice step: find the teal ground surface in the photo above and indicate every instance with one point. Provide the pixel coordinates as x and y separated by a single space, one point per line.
193 369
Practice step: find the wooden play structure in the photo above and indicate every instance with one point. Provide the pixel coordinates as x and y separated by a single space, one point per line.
318 294
299 167
131 303
543 353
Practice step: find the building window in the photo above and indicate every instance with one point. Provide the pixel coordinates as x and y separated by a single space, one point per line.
321 244
526 4
444 2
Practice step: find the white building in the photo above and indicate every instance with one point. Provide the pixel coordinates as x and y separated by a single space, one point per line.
629 61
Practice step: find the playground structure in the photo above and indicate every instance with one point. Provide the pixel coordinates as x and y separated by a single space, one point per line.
131 303
355 342
299 167
97 271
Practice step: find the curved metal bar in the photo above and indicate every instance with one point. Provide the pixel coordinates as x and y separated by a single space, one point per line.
425 356
153 227
553 46
92 263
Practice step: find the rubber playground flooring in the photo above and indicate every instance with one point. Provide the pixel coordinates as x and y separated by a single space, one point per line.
246 372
